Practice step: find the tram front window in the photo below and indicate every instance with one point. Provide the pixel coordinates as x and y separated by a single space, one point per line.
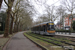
51 27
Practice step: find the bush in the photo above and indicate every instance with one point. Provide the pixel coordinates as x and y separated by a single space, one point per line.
1 32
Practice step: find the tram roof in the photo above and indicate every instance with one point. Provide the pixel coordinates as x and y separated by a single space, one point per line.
43 23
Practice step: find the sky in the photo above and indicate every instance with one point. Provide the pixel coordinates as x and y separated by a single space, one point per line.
3 7
39 6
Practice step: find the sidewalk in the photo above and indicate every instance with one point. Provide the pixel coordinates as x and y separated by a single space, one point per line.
20 42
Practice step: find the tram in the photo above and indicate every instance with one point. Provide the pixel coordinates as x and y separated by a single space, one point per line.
46 28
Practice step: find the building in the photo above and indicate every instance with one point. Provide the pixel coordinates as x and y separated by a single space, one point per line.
68 20
59 25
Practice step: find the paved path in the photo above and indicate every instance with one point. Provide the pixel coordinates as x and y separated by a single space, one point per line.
20 42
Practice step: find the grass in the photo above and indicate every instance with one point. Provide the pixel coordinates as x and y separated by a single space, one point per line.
43 43
61 39
57 42
3 41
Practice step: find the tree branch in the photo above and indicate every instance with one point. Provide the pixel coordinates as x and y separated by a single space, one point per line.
6 3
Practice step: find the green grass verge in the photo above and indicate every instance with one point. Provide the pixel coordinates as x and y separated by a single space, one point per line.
3 41
48 46
57 42
60 39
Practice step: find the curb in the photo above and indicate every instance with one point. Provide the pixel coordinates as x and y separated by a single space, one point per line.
43 48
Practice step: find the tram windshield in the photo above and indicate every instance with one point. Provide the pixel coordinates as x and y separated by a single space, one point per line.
51 26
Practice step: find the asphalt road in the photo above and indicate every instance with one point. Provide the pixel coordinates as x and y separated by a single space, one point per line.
20 42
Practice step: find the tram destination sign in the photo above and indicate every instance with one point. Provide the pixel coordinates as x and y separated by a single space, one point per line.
50 23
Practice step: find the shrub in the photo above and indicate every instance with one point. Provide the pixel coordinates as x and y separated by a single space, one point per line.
1 32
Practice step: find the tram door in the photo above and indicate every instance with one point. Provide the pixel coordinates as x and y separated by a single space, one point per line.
44 28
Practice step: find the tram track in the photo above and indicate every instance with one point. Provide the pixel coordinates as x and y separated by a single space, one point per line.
66 41
53 41
65 38
61 41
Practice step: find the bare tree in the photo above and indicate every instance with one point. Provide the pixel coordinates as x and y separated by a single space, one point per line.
9 4
43 18
61 13
13 12
23 16
0 3
70 6
51 13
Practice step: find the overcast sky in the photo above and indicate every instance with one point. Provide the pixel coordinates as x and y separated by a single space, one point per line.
39 6
4 6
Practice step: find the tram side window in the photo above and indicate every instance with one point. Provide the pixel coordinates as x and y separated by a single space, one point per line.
34 28
42 28
37 28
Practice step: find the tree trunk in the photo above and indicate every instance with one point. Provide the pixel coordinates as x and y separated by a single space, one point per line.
7 23
17 26
14 28
11 27
9 4
71 21
0 3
